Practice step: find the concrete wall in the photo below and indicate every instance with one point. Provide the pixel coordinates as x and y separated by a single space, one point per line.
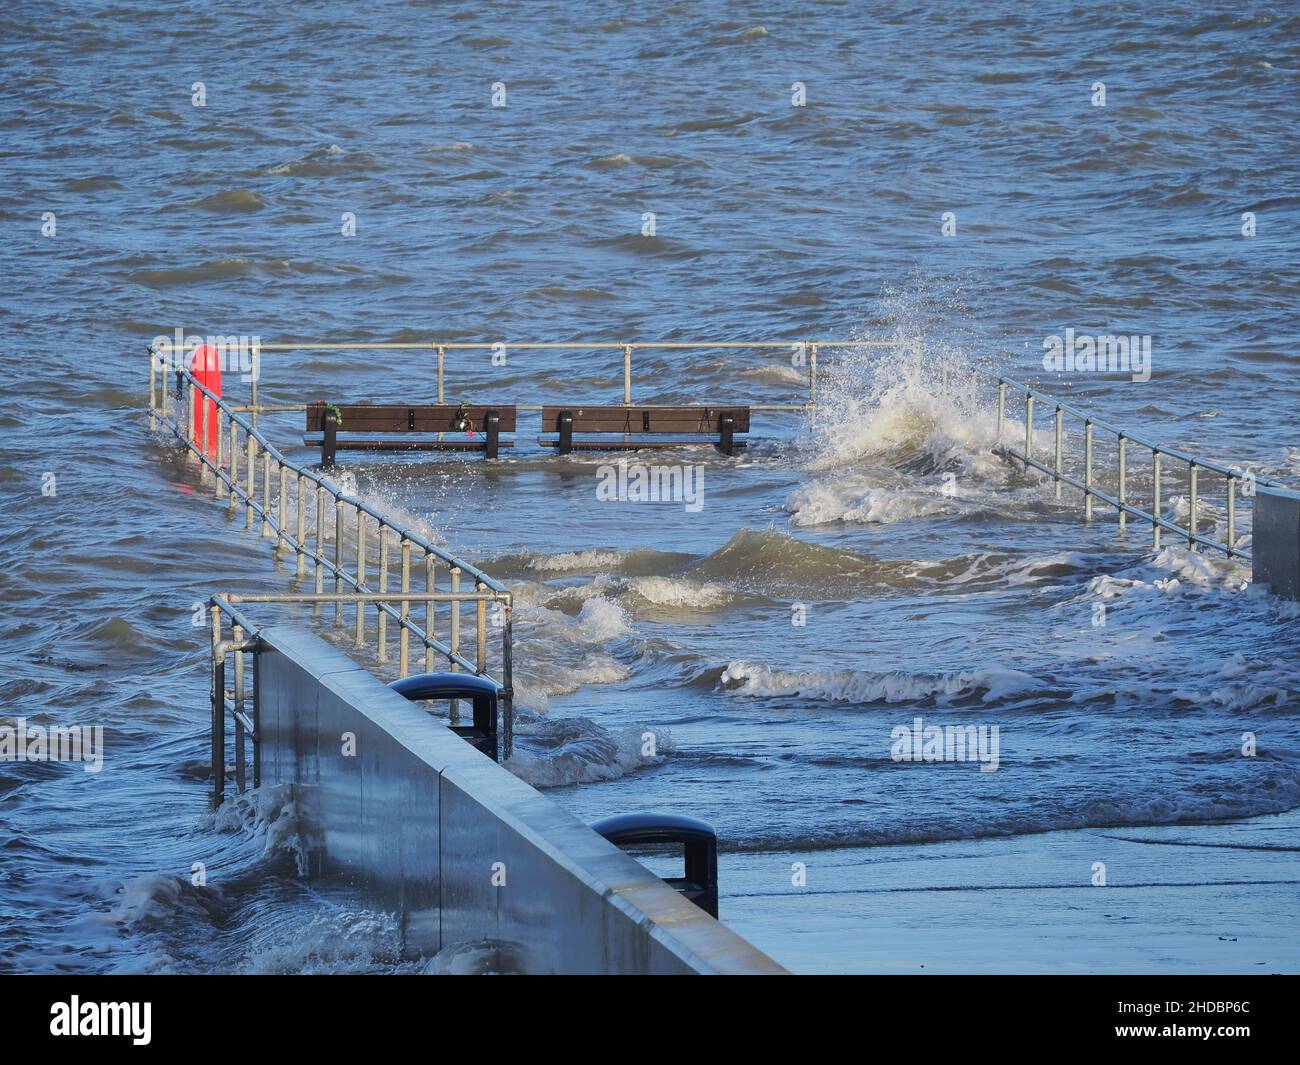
1275 541
420 818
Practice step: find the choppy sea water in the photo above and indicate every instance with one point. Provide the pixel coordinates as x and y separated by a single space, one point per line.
935 581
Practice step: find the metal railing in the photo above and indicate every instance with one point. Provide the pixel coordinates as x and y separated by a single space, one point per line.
1118 496
332 535
807 349
239 702
222 438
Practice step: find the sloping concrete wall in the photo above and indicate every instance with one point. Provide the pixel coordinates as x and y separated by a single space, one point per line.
423 820
1275 541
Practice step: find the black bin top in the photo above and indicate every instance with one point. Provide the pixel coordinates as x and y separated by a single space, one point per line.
656 828
445 686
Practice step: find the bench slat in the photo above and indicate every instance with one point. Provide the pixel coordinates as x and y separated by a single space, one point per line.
436 418
457 442
618 419
630 445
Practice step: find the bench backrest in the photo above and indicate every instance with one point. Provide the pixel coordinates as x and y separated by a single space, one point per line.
619 419
439 418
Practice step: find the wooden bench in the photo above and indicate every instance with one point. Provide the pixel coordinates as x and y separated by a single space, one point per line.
721 422
332 419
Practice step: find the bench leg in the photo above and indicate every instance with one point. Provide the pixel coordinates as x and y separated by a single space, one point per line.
329 439
566 433
726 442
491 434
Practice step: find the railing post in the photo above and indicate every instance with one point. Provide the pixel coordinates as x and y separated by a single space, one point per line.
338 559
1002 408
404 640
153 388
219 482
455 636
218 756
812 375
266 494
383 587
1191 505
240 776
1087 470
252 480
430 614
361 576
300 567
1232 514
1029 426
257 373
1123 482
507 686
455 617
320 539
234 463
627 375
442 358
1155 498
281 512
1060 426
481 620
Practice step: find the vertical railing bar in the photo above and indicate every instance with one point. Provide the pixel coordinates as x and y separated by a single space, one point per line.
238 633
1191 505
1232 514
266 494
1122 441
218 724
338 558
300 567
252 480
1087 470
508 686
234 464
430 614
320 540
1155 498
404 639
1060 439
361 576
383 587
455 636
1029 426
481 624
281 522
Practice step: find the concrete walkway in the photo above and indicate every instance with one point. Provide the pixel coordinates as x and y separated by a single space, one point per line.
1178 899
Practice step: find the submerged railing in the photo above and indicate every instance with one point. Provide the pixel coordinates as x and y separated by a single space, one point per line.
332 534
239 702
1118 498
244 468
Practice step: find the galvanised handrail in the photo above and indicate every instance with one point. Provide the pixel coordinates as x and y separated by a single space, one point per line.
243 640
220 464
809 348
1119 500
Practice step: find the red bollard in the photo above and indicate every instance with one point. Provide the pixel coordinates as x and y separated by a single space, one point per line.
206 366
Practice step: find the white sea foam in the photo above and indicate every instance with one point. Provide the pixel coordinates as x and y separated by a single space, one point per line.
862 686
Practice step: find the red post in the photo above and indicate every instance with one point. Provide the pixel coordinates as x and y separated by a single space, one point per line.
207 372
